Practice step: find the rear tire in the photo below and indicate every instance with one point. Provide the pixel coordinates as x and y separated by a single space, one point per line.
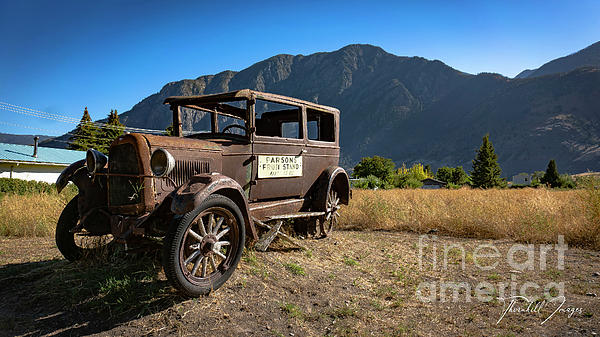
203 247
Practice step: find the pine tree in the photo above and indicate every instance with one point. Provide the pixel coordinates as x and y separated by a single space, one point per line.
486 171
110 131
85 135
551 177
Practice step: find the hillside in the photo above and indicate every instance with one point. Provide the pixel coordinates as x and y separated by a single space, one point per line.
587 57
20 139
412 109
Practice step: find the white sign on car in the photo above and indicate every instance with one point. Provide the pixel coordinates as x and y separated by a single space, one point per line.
279 166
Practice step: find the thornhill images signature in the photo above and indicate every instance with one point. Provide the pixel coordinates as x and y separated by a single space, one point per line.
521 304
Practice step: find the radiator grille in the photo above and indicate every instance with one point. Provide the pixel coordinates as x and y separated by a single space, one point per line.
184 169
124 190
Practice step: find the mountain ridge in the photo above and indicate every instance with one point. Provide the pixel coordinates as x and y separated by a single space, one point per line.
586 57
417 110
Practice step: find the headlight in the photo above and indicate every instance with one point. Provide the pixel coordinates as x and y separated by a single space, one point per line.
95 160
161 162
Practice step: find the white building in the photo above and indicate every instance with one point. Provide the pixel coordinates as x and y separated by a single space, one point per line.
522 179
30 162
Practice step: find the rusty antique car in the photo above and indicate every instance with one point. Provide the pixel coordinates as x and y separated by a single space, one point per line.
233 160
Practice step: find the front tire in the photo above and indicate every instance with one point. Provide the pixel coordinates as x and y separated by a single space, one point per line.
203 247
76 245
65 239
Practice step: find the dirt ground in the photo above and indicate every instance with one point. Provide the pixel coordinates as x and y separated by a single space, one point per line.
353 283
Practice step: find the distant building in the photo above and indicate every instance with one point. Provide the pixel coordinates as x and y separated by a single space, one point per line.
432 184
35 163
522 179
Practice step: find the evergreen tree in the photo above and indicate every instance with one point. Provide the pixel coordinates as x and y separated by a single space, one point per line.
551 177
85 135
486 171
110 131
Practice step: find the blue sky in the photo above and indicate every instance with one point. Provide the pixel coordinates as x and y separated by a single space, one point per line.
60 56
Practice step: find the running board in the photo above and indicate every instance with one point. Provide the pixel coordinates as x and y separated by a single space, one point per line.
295 215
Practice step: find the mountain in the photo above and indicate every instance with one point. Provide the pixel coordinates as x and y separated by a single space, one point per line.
587 57
525 73
20 139
416 110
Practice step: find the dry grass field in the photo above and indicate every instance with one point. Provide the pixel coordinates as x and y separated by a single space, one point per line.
523 215
32 215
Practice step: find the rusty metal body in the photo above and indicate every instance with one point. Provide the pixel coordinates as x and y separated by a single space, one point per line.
264 172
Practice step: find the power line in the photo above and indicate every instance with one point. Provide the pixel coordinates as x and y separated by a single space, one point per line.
66 119
48 130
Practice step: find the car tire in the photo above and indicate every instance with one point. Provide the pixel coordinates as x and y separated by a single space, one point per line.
203 247
65 239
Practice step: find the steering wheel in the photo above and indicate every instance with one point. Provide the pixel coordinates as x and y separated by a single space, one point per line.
229 127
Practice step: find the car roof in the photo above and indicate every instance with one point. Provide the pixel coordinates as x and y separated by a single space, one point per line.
244 94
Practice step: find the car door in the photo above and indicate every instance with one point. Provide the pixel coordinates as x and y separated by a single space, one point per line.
277 147
322 146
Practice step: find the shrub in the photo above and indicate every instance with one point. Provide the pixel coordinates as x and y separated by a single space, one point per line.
22 187
566 181
409 177
413 183
371 182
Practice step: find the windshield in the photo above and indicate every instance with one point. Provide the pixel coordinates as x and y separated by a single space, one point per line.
227 121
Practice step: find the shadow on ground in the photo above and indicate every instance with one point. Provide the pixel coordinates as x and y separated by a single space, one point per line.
63 298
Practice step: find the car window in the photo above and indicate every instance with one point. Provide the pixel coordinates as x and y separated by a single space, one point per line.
198 122
320 125
278 120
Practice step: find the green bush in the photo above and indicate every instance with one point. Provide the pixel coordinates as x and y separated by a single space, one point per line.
413 183
25 187
372 182
566 181
22 187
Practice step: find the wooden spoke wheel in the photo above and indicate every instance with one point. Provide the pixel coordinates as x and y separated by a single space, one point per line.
203 248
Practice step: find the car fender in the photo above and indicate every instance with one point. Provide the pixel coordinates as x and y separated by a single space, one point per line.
67 174
191 194
337 177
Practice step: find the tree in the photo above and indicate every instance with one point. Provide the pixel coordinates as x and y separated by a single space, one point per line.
453 175
459 176
110 131
444 174
486 170
378 166
428 170
85 135
551 177
169 130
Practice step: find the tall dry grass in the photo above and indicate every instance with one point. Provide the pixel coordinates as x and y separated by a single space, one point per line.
32 214
525 215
